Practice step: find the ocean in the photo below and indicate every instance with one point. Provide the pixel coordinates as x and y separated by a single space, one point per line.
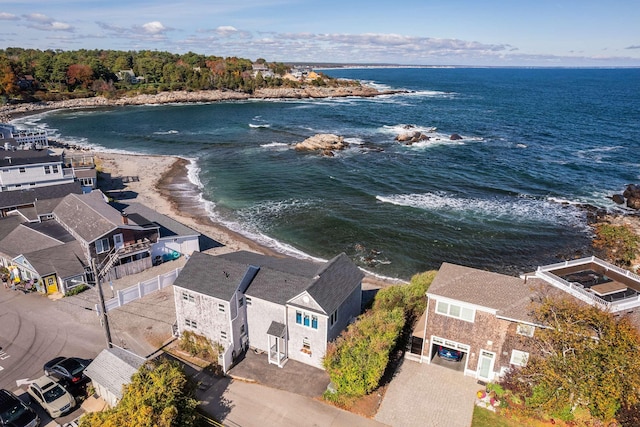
536 144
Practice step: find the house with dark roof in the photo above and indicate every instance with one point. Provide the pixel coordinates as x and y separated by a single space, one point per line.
484 319
111 370
21 169
120 245
287 308
35 204
43 254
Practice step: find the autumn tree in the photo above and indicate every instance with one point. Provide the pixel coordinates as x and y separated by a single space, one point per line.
79 75
586 360
158 396
618 243
7 78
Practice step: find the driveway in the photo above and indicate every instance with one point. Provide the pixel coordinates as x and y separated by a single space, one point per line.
428 396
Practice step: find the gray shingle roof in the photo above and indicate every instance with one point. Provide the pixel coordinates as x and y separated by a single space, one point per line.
509 296
9 199
26 157
337 280
113 369
88 215
211 275
168 226
276 329
66 260
24 239
278 280
8 224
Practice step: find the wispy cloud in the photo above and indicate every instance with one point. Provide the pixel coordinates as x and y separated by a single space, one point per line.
8 16
42 22
634 46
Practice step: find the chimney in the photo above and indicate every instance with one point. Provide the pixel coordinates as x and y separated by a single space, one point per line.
125 220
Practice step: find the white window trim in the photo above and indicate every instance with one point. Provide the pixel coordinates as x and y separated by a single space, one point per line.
108 245
517 355
461 306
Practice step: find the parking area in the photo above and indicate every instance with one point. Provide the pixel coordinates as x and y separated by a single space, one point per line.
294 377
428 395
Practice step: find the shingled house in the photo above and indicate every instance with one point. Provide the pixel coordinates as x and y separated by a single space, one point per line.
286 307
487 316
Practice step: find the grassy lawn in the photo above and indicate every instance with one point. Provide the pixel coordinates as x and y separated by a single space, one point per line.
485 418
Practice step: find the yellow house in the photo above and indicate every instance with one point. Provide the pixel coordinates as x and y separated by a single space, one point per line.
312 75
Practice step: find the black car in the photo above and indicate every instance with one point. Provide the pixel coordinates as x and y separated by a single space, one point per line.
14 412
68 370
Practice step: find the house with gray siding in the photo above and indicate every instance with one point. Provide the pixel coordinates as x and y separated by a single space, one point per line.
287 308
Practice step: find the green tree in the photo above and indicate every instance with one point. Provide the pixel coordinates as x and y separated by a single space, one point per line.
586 359
158 396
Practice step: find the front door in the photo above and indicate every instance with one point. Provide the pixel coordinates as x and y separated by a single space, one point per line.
52 284
118 241
485 365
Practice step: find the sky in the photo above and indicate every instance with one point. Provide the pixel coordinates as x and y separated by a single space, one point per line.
572 33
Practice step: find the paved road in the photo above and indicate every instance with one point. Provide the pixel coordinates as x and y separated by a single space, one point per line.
33 330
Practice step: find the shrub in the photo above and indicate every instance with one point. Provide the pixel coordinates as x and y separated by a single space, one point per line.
75 291
618 243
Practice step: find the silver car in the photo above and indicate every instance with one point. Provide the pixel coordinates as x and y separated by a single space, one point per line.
53 398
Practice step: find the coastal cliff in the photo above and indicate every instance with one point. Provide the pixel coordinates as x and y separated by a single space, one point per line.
8 112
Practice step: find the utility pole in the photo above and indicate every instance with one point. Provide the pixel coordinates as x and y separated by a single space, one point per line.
103 308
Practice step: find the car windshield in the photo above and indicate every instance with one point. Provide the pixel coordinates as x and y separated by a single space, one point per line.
13 413
72 366
53 393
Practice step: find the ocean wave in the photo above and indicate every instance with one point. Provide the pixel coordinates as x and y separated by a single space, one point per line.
166 132
276 145
254 126
517 209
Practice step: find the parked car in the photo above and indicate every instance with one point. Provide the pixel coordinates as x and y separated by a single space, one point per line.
67 370
15 413
450 354
52 396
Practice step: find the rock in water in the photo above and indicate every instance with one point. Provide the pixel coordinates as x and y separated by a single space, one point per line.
618 199
455 137
322 142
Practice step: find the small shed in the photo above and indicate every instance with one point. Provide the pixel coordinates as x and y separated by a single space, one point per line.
111 371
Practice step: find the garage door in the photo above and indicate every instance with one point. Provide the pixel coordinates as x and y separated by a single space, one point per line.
460 365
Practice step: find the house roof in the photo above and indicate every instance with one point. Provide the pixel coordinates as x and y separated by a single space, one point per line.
505 294
278 279
9 199
14 158
276 329
66 261
211 275
168 226
24 239
335 282
8 224
113 369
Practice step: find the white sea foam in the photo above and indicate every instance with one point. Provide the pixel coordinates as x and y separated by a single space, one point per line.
251 125
500 208
354 140
166 132
276 145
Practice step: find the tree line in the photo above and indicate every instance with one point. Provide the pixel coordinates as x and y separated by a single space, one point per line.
33 74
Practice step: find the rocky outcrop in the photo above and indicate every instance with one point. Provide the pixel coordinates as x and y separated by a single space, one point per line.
8 112
455 137
411 137
326 143
630 196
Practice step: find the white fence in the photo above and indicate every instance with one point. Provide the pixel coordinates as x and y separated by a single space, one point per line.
135 292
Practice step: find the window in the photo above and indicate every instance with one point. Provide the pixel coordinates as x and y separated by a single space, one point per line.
22 170
47 170
526 330
456 311
248 299
186 296
333 318
191 323
221 308
55 168
306 345
241 301
242 329
306 319
519 358
102 245
223 335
